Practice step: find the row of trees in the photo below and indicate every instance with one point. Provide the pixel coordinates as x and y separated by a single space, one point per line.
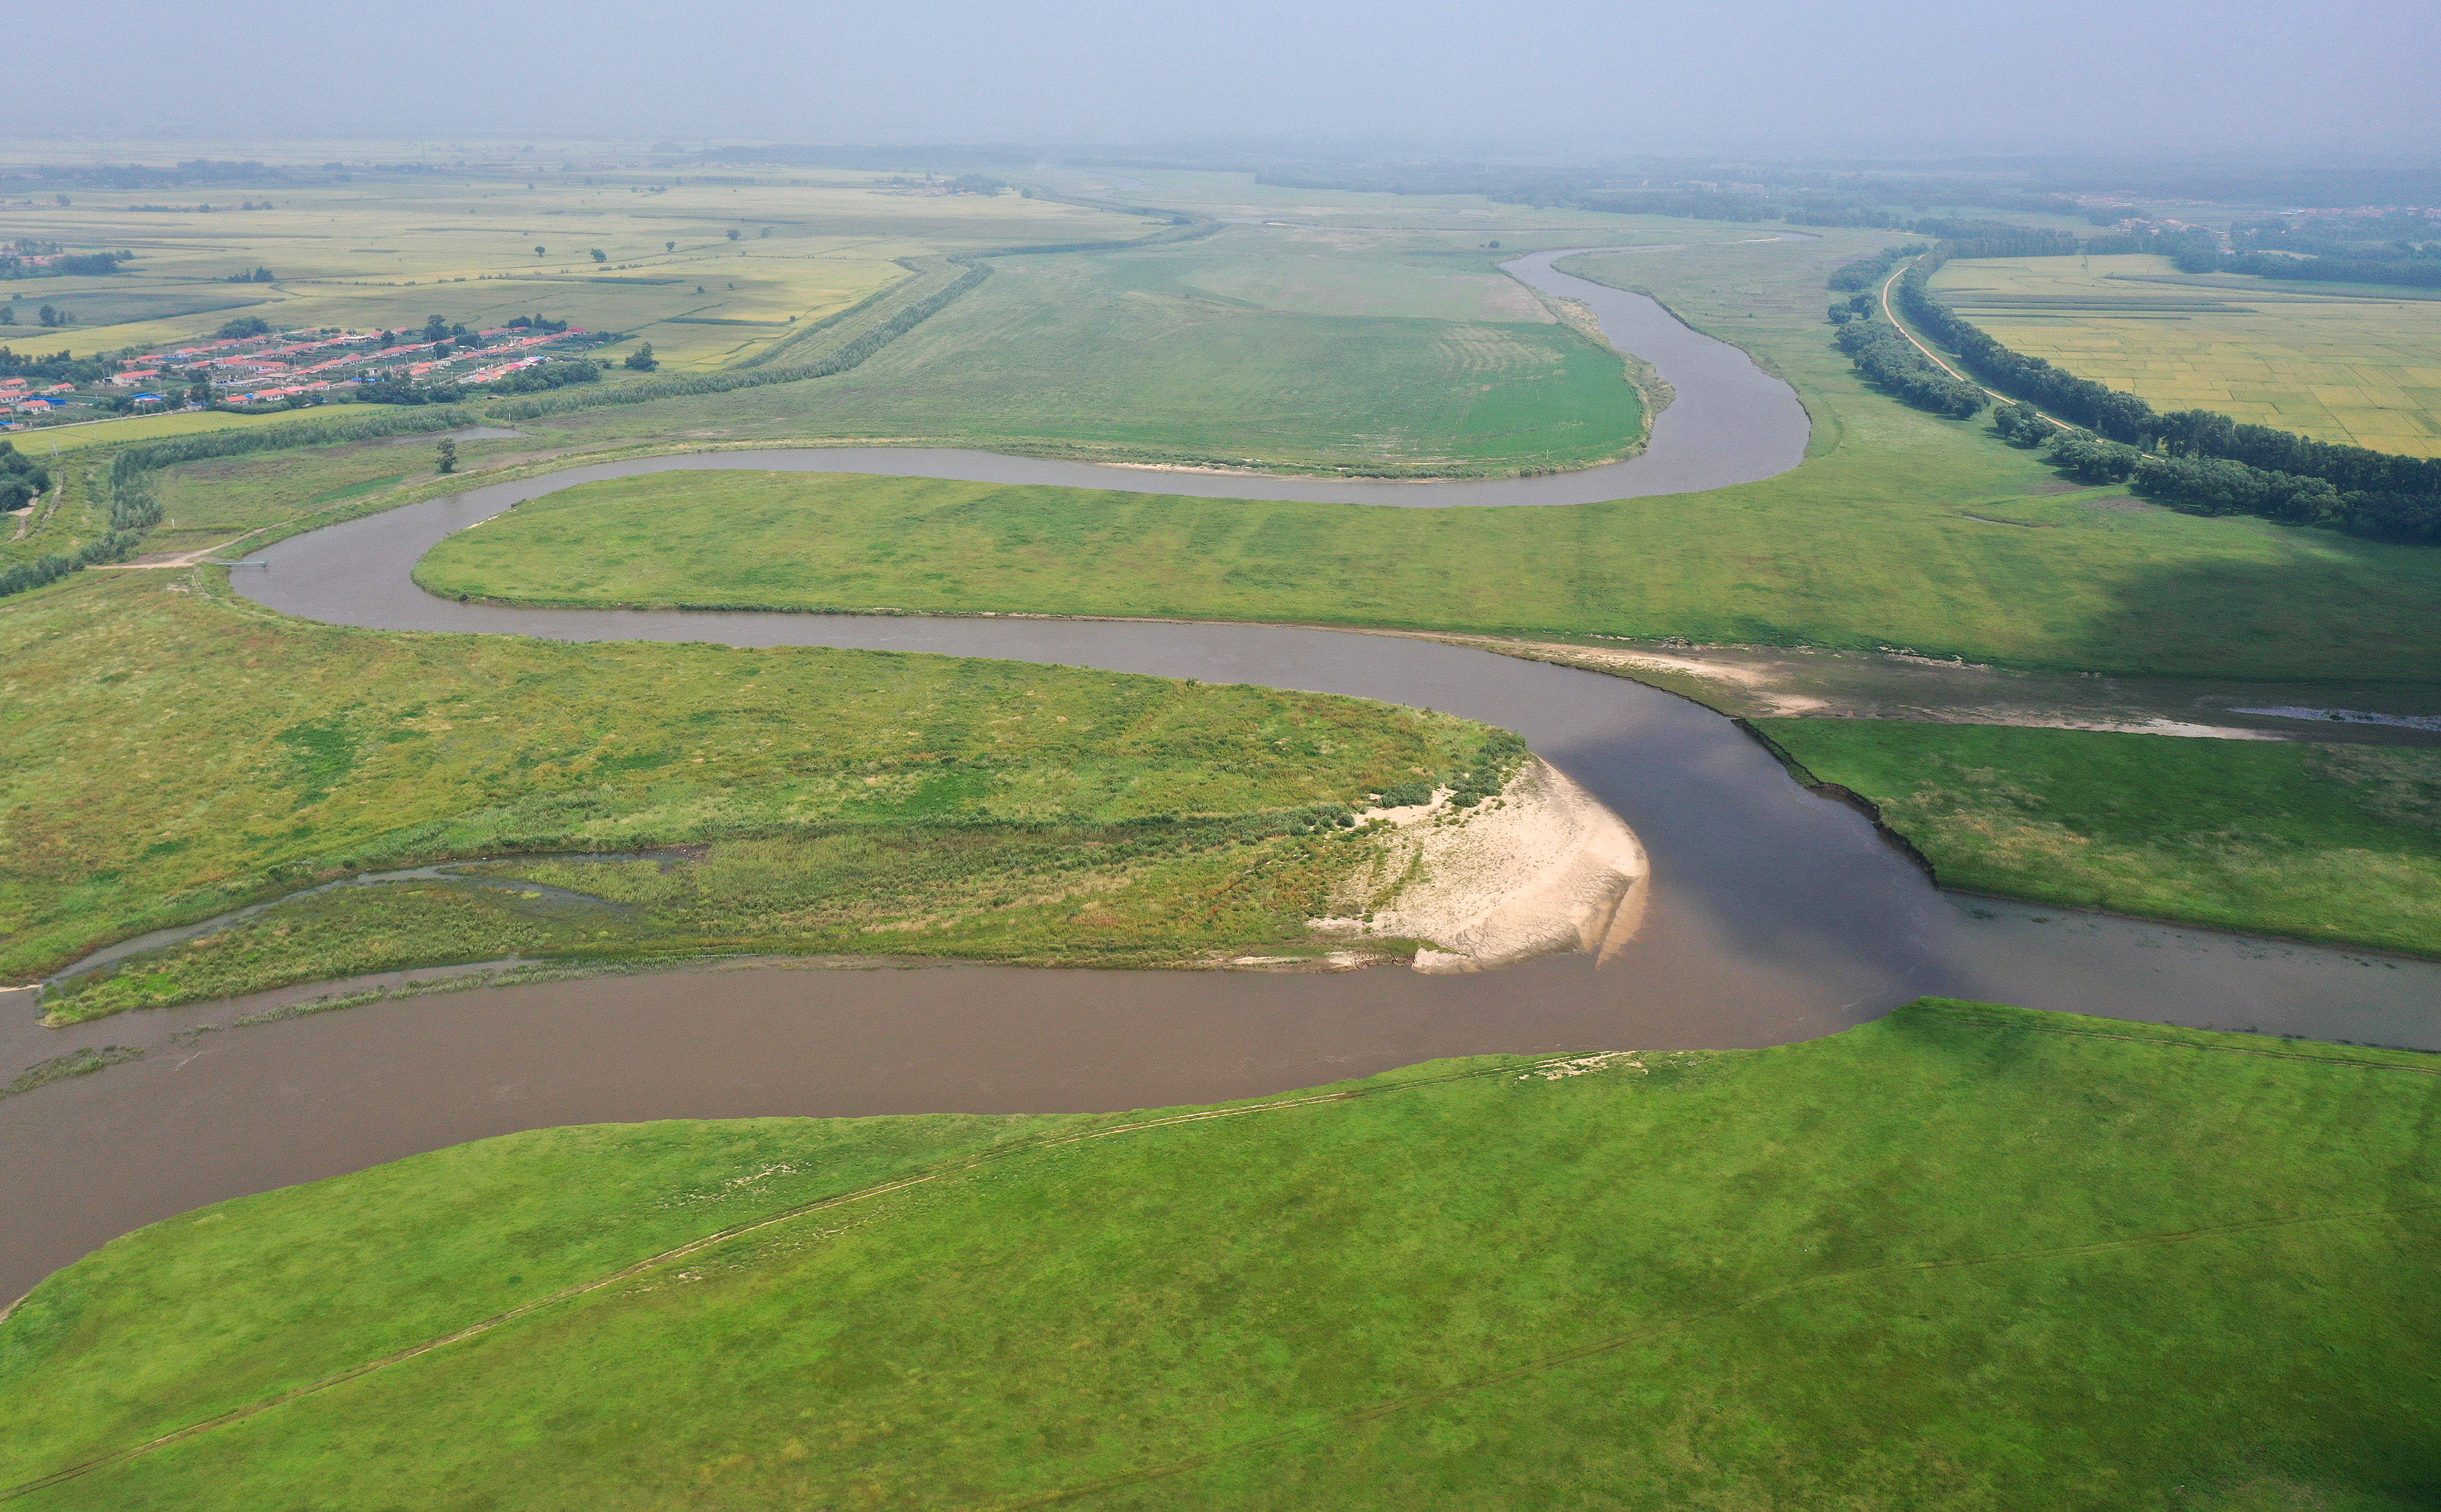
1868 273
2201 485
1890 360
81 265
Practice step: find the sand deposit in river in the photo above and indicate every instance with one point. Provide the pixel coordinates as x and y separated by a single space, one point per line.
1543 869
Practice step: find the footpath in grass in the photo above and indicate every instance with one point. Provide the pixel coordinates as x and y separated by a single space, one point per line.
1966 1258
2333 843
168 751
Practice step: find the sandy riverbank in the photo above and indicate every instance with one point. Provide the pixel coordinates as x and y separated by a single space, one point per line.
1543 869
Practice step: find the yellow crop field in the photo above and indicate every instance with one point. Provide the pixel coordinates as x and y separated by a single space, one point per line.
711 268
2363 369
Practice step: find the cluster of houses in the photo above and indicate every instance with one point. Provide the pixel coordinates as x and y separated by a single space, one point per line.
21 397
264 368
272 372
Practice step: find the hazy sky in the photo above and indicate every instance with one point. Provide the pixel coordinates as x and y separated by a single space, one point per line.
1787 74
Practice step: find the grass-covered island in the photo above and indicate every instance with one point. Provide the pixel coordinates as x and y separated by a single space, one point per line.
1966 1257
1858 549
177 752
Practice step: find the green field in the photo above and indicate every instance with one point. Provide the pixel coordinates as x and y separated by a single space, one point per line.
2337 843
1821 557
2362 369
1383 351
1966 1257
174 751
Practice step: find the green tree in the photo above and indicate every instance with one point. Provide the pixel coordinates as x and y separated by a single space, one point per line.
539 249
642 359
448 450
600 256
669 246
732 233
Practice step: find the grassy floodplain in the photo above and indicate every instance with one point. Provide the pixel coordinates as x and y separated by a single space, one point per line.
2362 369
1371 351
1966 1257
2336 843
1901 530
175 751
1818 559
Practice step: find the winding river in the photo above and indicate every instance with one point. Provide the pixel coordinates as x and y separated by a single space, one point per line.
1775 916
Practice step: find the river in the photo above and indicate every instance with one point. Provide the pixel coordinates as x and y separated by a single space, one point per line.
1775 916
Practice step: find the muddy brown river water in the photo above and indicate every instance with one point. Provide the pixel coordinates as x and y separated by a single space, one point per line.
1775 916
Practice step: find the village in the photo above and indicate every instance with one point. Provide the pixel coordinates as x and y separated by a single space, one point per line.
250 366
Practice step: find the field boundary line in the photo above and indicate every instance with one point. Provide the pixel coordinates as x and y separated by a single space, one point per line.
919 1177
1358 1417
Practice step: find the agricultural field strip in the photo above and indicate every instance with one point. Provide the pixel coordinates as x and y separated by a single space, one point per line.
1567 1064
2359 368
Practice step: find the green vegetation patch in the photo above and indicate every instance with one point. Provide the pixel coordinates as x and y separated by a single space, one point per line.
1856 549
1967 1257
2339 843
172 751
1331 352
1145 893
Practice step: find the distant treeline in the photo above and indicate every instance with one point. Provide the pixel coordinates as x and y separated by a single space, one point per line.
194 170
2195 459
1690 189
1868 273
74 264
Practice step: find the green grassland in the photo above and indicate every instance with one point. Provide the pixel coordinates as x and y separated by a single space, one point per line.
2335 843
1384 350
2363 368
1816 559
1966 1257
174 752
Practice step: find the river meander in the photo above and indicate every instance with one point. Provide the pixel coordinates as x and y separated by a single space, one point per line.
1775 916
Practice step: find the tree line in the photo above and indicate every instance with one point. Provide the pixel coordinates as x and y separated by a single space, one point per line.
1882 355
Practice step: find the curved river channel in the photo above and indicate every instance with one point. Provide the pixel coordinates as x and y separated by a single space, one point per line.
1774 915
